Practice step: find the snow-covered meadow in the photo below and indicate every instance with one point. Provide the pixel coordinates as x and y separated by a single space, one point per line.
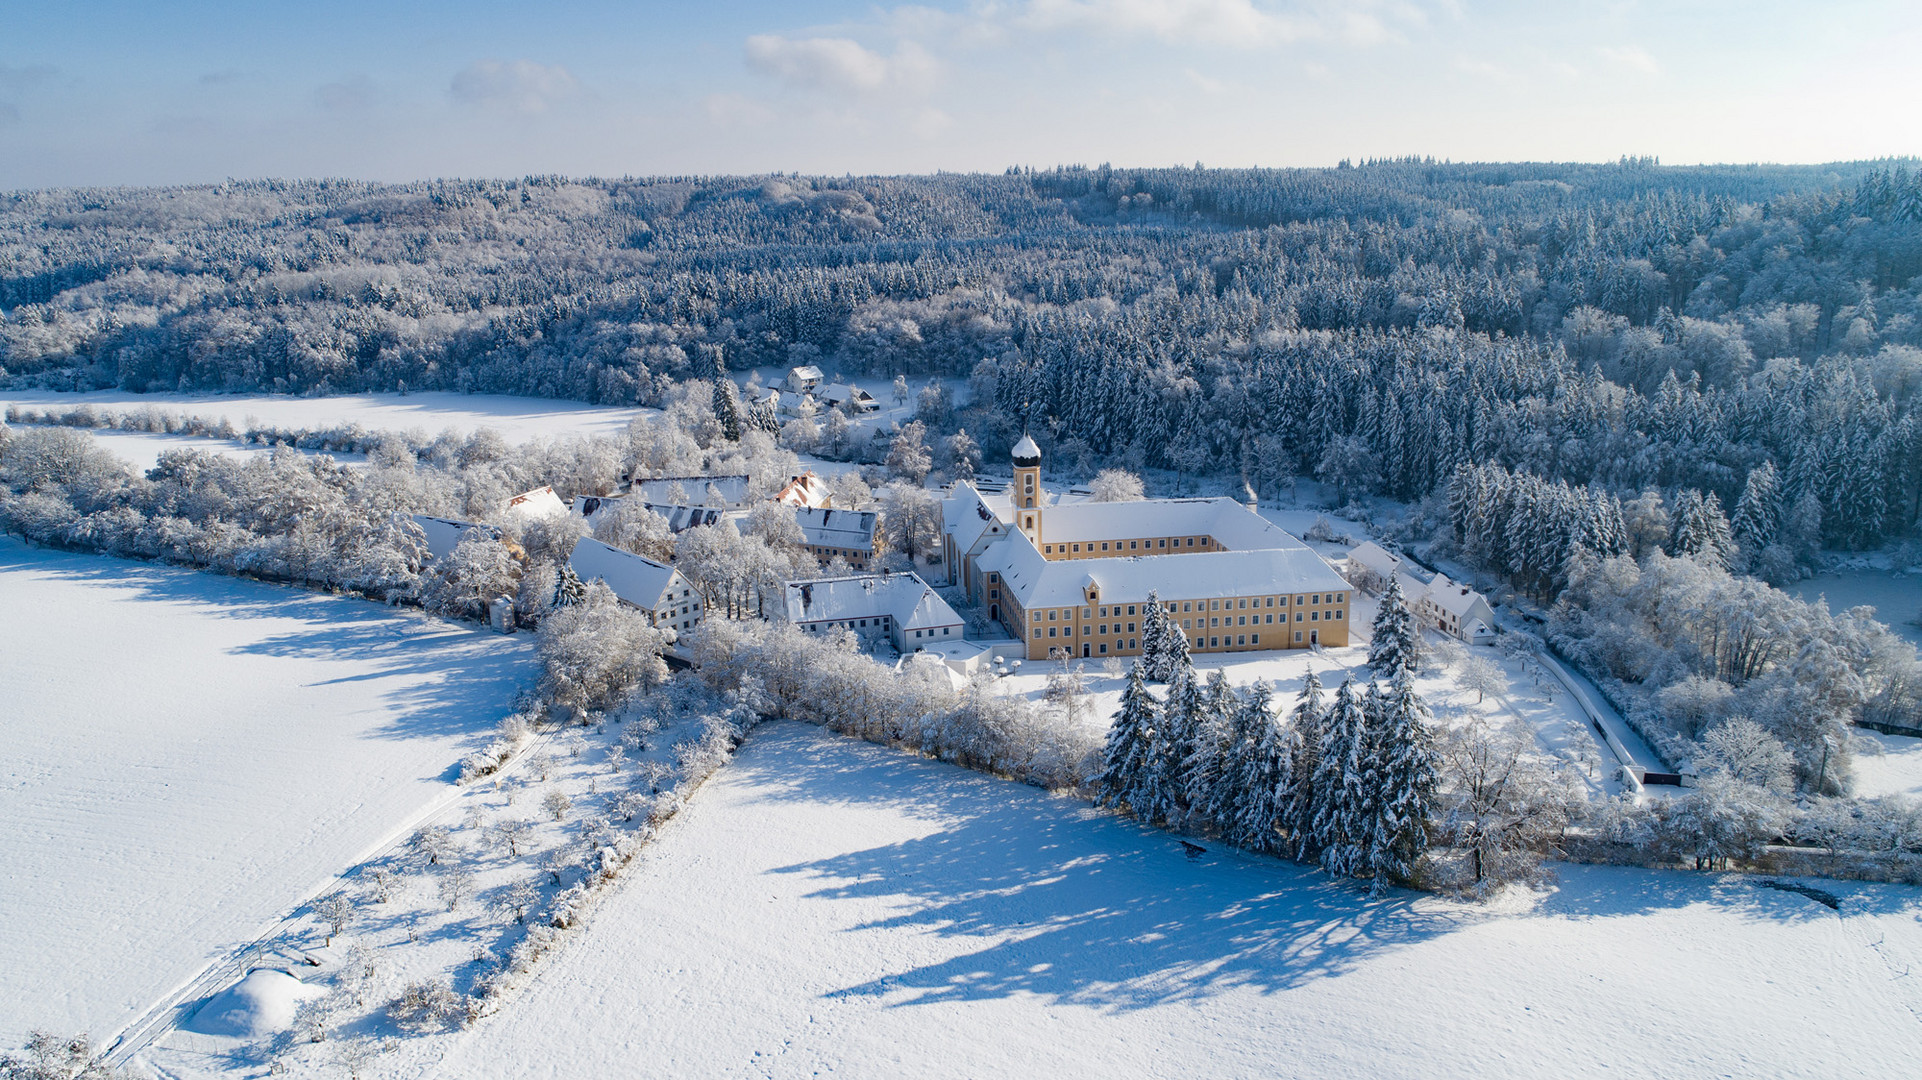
517 419
828 906
188 756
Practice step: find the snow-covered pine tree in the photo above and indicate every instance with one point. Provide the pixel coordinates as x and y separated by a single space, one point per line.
1344 795
1303 738
568 586
1260 774
1405 778
1701 531
1128 756
1174 651
1758 512
726 409
1153 622
1205 771
1397 641
1162 796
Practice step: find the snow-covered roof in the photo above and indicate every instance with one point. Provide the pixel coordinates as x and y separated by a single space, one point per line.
639 581
1037 581
1458 600
679 518
836 393
966 514
1230 523
443 534
853 529
1026 447
732 489
806 489
538 503
804 371
1374 557
905 598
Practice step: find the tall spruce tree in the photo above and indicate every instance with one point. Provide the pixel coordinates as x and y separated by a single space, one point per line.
1162 795
1344 794
1396 645
1405 779
1153 624
726 409
1304 745
1129 755
1260 777
1212 749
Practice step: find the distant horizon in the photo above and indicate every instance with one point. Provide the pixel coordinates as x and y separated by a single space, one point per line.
1897 160
103 93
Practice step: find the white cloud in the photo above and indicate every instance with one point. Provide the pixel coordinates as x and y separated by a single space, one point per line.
1233 23
521 86
840 64
347 95
1633 57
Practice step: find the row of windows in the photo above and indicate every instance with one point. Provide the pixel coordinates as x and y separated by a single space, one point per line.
1178 607
1225 641
1132 545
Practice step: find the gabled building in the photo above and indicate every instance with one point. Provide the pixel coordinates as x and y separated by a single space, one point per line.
1448 606
709 491
444 534
802 379
679 518
857 400
848 534
1072 578
538 503
898 607
656 589
805 490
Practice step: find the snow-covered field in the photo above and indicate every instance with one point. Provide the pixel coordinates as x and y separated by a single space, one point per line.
517 419
1895 770
141 450
184 757
829 907
1896 598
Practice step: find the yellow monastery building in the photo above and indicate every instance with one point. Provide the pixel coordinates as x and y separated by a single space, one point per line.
1071 577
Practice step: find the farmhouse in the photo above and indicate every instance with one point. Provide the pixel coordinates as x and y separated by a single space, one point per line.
1448 606
656 589
898 607
856 399
806 490
848 534
1071 578
538 503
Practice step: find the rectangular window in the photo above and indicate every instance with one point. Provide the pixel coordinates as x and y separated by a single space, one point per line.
1037 631
1242 620
1047 549
1338 597
1051 632
1337 613
1052 615
1104 545
1077 547
1104 612
1186 606
994 594
1315 599
1133 544
1131 609
1214 643
1254 639
1103 629
1131 628
1087 613
1214 621
1241 639
1297 619
1297 637
1243 603
1314 616
1164 543
1104 648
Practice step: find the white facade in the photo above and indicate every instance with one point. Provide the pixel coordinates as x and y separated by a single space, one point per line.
655 588
899 607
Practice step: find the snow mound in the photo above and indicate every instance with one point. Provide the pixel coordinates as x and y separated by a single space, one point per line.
260 1004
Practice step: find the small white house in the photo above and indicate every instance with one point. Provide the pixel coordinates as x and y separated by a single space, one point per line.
1448 606
806 490
857 399
444 534
899 607
654 588
802 379
538 503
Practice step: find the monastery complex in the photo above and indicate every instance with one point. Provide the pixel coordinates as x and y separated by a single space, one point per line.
1071 577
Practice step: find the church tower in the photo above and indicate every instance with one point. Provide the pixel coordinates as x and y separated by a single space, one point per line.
1028 496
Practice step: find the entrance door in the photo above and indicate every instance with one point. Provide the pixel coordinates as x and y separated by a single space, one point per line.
1314 637
1084 649
994 612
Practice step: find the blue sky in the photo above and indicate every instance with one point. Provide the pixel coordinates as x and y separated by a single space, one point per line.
198 90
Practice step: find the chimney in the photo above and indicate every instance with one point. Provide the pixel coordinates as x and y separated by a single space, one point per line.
1254 504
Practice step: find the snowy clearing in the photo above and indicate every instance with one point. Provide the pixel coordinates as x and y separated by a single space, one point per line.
827 906
141 450
1896 598
187 755
1892 767
517 419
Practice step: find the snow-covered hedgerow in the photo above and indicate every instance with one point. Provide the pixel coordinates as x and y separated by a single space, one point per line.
826 680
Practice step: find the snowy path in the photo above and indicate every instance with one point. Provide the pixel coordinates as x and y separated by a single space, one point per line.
185 756
826 906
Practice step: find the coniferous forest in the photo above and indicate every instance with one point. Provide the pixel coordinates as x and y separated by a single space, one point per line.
1613 328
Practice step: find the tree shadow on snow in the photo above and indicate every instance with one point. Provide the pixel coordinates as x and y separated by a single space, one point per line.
1080 906
443 678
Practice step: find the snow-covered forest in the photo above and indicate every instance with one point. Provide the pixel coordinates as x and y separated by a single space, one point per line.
1375 326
